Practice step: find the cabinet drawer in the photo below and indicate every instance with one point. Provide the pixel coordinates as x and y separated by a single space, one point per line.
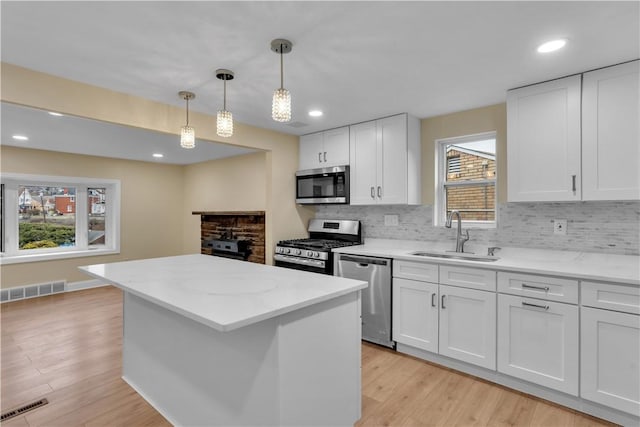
613 297
416 271
474 278
529 285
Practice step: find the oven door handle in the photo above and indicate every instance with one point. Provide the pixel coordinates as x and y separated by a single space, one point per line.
299 261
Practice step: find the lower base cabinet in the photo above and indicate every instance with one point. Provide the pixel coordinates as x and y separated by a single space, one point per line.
468 325
538 342
415 314
610 349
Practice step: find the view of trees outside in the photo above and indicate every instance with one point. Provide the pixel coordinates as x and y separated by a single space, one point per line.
469 163
46 217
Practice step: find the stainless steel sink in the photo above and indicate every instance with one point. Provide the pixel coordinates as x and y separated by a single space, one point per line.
457 255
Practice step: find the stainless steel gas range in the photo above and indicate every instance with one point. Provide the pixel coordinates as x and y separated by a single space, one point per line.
315 253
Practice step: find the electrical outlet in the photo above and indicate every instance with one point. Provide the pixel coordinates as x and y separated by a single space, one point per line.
560 226
391 220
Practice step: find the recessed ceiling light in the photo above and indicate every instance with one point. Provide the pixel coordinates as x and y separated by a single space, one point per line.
315 113
158 155
53 113
20 137
551 46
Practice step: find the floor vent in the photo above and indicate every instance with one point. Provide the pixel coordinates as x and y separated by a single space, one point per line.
21 410
32 291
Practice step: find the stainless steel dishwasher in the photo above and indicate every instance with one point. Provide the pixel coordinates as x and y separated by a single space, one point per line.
376 298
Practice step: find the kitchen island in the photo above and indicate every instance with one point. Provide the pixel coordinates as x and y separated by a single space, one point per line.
216 341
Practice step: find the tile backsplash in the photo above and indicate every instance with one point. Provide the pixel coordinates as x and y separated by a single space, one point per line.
610 227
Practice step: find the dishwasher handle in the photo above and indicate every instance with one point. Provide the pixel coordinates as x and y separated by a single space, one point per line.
364 260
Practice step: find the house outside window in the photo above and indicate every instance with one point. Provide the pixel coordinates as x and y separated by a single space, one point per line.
466 179
50 217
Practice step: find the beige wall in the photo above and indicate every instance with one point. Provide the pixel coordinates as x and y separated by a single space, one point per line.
479 120
150 221
233 184
284 219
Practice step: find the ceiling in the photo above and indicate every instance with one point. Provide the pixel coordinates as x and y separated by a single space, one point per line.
78 135
356 61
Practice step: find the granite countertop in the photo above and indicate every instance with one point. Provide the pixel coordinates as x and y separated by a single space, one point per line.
222 293
578 265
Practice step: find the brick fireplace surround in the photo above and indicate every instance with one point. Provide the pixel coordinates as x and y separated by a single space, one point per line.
244 225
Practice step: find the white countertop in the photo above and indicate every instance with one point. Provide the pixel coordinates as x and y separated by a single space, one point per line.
579 265
222 293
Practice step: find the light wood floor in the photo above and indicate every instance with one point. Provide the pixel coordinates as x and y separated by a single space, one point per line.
67 348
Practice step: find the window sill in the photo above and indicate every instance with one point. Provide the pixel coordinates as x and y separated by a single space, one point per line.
471 225
50 256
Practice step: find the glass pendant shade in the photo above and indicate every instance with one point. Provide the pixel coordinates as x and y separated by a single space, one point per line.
281 107
187 137
224 124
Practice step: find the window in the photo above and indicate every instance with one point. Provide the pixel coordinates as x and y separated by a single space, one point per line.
466 179
49 217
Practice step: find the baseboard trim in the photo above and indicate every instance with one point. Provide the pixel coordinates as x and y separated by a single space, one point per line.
85 284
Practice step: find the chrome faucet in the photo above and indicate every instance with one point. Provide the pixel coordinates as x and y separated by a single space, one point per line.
460 238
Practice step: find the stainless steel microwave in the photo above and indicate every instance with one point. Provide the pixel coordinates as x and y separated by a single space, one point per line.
323 186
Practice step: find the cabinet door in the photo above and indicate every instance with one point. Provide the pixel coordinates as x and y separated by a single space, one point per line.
468 325
415 314
610 138
392 161
610 353
336 147
362 147
538 342
543 141
310 154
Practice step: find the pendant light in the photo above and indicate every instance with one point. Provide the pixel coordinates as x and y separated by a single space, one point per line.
187 133
224 122
281 106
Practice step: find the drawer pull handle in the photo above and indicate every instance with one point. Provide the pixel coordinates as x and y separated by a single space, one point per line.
433 300
379 192
573 183
539 288
442 304
325 156
320 157
373 193
528 304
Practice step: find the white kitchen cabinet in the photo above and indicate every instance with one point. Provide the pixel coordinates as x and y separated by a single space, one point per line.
450 320
324 149
543 141
610 359
385 161
468 325
474 278
540 287
415 314
610 137
575 138
538 342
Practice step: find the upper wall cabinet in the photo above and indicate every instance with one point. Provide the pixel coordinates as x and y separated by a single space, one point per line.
324 149
385 161
543 141
575 138
610 147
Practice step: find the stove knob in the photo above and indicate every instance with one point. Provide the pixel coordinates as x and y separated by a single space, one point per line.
298 252
287 251
316 254
310 254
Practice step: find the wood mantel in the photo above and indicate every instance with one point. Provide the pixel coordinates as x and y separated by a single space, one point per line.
229 213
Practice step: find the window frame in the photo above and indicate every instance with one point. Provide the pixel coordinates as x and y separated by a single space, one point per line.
10 222
441 168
